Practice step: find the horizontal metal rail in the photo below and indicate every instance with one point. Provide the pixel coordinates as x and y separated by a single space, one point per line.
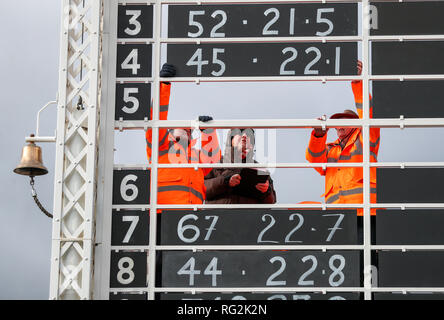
134 80
324 39
238 206
324 79
323 248
135 41
401 123
198 2
263 289
263 39
401 165
350 38
281 123
295 206
323 290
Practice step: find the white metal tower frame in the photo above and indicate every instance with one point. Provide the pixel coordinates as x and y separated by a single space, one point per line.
76 150
73 232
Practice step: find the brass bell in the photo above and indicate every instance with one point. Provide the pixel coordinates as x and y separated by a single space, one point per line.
31 163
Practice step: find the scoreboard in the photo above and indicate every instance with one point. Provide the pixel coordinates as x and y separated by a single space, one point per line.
262 20
274 252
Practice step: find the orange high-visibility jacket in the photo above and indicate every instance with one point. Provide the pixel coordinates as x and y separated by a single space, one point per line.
181 185
345 185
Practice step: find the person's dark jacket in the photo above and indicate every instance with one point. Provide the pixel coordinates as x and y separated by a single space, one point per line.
218 189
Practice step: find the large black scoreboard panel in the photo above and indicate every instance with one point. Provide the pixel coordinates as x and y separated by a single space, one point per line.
408 296
410 185
128 269
134 61
130 228
303 268
410 227
410 99
135 21
131 187
408 18
262 20
264 59
133 101
407 57
411 269
261 269
258 227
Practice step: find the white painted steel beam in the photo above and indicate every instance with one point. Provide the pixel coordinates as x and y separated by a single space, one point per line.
401 165
62 244
102 257
76 146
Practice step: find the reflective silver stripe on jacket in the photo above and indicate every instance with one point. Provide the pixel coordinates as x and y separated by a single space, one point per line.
181 188
316 154
161 142
357 152
359 105
375 144
349 192
208 130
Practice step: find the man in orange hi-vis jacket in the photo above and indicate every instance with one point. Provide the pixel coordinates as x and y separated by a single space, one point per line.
181 185
342 184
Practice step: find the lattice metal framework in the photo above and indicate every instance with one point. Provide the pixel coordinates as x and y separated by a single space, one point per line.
77 138
76 149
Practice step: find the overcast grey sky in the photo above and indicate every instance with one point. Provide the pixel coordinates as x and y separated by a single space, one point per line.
29 58
29 77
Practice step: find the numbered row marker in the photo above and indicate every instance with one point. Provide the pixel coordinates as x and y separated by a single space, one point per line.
133 101
262 20
135 21
134 60
131 187
238 269
128 269
408 296
130 228
276 227
263 59
407 57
